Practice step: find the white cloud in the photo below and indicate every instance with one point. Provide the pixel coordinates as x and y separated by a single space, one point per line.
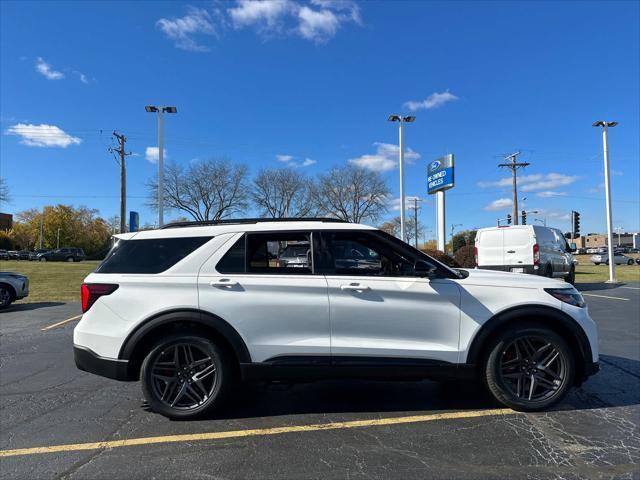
530 183
197 21
151 154
47 71
83 77
271 17
284 158
434 100
551 194
617 173
42 135
289 161
266 14
385 158
499 204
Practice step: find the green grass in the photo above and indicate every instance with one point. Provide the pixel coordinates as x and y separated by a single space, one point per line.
60 281
51 281
587 272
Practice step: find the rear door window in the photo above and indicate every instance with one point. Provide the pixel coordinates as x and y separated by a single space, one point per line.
149 255
279 253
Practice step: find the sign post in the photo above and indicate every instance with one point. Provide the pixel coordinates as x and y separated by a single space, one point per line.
440 178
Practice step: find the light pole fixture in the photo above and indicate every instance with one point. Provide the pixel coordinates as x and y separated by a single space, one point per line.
402 119
160 111
607 186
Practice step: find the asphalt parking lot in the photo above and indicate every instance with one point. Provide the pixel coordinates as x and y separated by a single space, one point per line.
340 429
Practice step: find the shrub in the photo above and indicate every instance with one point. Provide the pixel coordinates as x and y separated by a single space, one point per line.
465 257
442 257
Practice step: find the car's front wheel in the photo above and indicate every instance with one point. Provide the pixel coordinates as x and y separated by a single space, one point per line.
184 376
6 297
529 368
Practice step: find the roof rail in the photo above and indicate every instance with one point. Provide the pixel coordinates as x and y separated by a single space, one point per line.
238 221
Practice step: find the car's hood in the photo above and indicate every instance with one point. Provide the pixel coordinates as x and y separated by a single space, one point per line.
508 279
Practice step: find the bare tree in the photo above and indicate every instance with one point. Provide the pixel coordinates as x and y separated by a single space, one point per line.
206 190
351 193
4 191
392 227
282 192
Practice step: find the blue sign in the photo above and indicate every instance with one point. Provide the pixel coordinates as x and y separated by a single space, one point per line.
440 174
134 221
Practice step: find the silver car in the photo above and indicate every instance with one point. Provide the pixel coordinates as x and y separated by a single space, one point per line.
618 258
13 286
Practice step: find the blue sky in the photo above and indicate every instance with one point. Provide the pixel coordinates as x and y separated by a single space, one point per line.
316 81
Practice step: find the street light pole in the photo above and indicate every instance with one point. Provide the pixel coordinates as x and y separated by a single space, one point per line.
160 111
402 120
607 185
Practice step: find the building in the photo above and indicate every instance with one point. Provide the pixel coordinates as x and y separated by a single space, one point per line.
6 221
596 241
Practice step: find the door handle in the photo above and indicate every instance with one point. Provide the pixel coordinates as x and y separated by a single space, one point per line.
354 287
223 282
511 251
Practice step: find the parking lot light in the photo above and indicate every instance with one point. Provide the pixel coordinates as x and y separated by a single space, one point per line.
160 111
402 119
607 185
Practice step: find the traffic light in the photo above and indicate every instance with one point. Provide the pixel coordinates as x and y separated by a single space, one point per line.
508 219
524 217
576 224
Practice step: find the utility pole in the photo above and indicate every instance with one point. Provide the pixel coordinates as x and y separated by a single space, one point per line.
415 208
514 165
123 178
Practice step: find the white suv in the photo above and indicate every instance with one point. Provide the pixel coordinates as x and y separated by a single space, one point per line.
189 310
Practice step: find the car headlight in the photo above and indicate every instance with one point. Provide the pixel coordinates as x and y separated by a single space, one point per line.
567 295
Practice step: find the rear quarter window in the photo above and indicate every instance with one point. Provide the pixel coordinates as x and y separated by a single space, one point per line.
150 255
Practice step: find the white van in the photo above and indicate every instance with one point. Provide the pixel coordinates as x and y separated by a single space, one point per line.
525 249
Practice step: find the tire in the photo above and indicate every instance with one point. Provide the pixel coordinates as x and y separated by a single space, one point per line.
571 278
43 259
70 259
6 296
548 271
508 379
596 263
629 262
177 394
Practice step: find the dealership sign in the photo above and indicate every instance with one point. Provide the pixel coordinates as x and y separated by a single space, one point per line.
440 174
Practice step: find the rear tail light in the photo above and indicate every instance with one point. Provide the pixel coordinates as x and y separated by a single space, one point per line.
475 255
536 254
90 292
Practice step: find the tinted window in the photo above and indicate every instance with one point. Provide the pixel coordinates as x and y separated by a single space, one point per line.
149 256
271 253
234 260
361 253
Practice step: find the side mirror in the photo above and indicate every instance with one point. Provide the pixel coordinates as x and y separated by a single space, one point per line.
424 269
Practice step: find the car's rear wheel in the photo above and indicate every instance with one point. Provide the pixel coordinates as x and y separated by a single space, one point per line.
529 368
629 262
70 259
43 259
185 376
548 271
6 296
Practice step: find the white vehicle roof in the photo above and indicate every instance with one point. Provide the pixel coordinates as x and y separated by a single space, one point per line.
242 226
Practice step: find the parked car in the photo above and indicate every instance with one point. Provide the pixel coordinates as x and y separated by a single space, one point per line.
525 249
23 255
638 260
13 255
190 310
295 255
579 251
62 255
34 255
4 255
13 286
618 258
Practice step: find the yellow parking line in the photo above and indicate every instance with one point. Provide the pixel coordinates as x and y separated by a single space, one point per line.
61 323
603 296
255 432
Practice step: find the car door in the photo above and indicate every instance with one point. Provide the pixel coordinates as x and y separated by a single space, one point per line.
380 310
518 248
281 312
